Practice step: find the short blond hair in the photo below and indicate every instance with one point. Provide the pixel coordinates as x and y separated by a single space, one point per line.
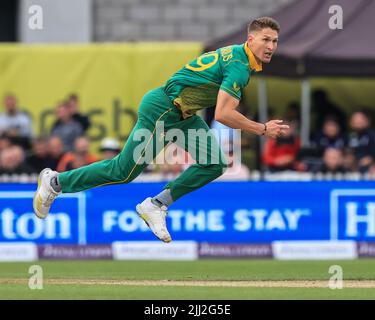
263 23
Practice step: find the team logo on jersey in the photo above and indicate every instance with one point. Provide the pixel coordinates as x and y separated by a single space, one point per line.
236 87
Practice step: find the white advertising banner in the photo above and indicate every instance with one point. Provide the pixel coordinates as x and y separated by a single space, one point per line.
16 251
155 250
314 250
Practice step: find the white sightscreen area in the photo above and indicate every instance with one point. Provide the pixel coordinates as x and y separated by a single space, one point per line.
55 21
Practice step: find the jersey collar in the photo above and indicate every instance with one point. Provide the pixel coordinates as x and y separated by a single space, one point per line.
254 65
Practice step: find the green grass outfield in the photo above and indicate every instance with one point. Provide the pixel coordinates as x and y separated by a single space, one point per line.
203 279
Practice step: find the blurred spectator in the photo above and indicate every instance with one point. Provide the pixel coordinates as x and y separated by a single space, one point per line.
16 124
330 136
236 171
349 161
170 171
281 154
73 104
362 139
4 142
79 157
73 108
323 107
173 160
39 158
333 161
293 112
12 161
66 127
55 152
109 148
371 171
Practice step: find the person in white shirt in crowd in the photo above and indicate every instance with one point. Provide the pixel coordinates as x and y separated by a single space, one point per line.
15 123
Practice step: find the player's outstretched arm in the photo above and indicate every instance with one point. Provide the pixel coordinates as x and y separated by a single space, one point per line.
227 114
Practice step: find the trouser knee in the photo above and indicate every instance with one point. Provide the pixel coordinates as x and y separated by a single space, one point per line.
116 168
217 169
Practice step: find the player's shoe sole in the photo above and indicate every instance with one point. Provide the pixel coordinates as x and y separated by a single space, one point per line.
145 217
38 200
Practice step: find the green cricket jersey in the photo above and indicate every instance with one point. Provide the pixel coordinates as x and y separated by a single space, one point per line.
196 85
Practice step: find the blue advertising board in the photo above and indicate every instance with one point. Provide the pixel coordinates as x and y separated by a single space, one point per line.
19 223
231 212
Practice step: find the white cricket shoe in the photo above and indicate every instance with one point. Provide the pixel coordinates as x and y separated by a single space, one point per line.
44 195
154 217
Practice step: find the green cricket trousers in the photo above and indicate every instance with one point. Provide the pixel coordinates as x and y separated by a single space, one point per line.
158 118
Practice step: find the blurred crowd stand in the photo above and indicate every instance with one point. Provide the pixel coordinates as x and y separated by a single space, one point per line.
341 147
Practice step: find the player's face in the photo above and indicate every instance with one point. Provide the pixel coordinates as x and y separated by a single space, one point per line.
263 43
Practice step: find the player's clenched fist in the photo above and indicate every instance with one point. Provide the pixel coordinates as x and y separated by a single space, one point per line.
275 129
